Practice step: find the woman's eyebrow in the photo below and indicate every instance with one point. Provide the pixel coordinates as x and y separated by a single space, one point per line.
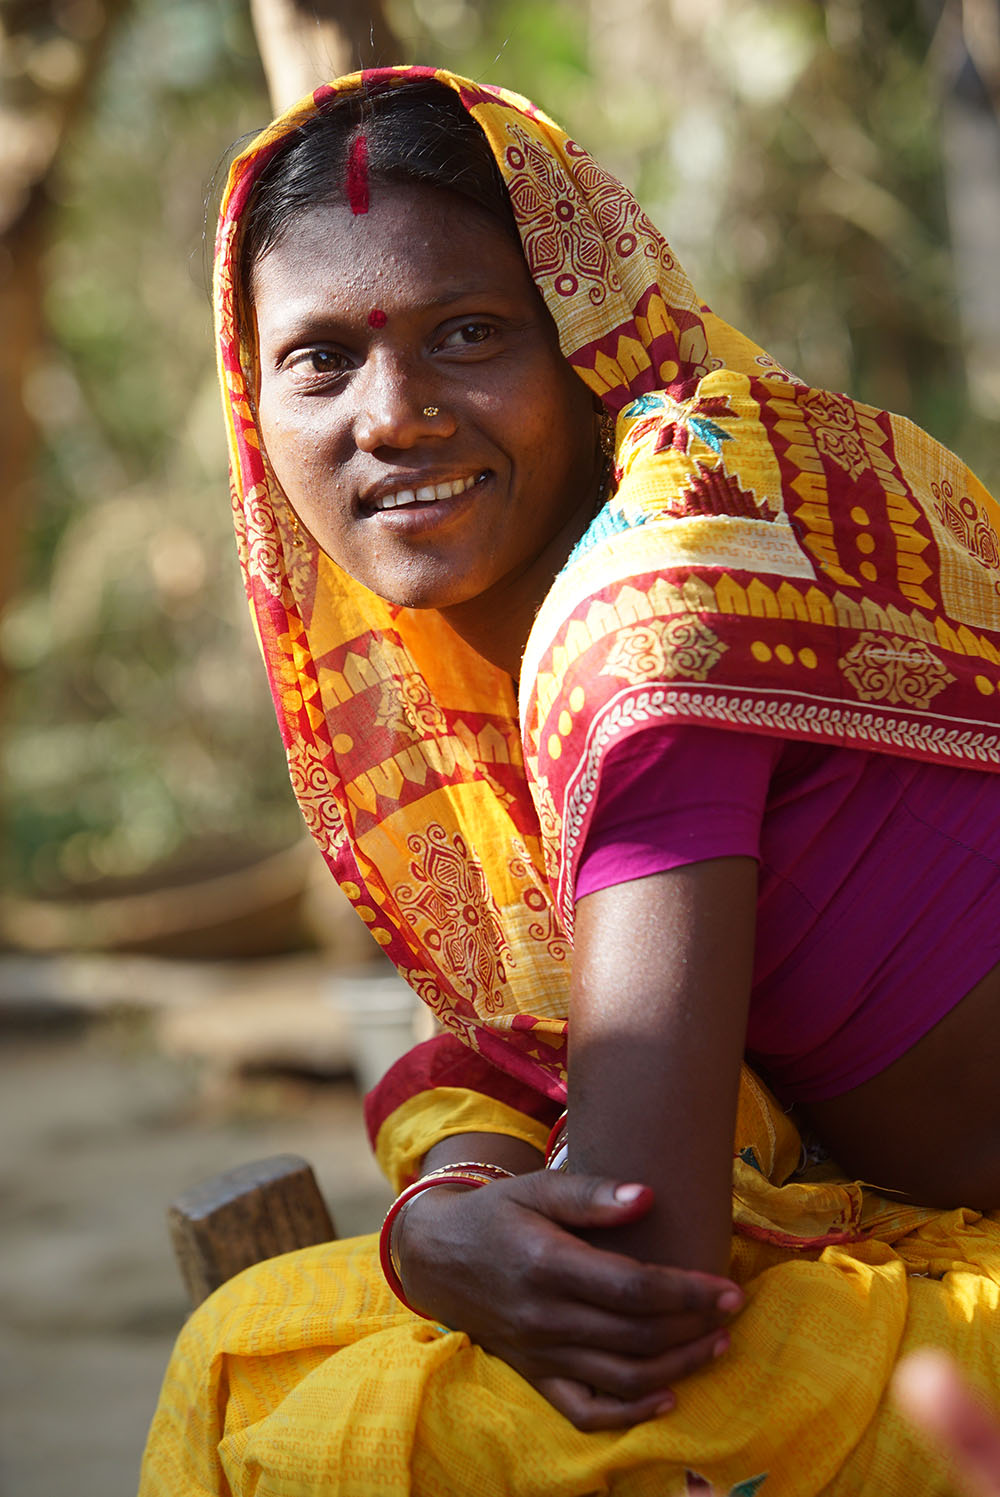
461 292
302 323
302 319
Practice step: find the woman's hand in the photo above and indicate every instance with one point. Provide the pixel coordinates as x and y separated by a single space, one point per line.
600 1335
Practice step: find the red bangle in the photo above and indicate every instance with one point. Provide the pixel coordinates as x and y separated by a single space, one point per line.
557 1145
469 1173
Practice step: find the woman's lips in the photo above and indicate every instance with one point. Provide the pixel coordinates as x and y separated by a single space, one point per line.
424 494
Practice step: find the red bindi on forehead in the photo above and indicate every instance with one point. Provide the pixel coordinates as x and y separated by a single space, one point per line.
356 181
377 318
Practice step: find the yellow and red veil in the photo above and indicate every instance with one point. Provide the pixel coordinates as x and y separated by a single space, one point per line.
775 558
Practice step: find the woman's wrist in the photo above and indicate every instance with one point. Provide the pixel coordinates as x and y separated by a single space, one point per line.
417 1209
464 1175
457 1164
515 1155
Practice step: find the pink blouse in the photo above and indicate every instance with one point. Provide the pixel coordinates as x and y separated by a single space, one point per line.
879 896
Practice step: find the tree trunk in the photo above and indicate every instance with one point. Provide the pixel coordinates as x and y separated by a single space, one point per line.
304 43
49 57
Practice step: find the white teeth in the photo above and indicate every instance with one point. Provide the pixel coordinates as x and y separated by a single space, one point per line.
426 495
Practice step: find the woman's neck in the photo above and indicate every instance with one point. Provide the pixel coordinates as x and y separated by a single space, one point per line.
497 623
499 631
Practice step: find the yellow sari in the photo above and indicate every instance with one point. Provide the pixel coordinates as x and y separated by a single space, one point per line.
305 1376
755 511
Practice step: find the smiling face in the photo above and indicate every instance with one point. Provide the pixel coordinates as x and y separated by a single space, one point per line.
416 408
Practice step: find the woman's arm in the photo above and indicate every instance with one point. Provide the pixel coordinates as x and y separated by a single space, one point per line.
601 1336
662 970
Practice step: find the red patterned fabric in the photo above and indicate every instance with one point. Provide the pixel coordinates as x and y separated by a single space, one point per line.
445 1062
776 558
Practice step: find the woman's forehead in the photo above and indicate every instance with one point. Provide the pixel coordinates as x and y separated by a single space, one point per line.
413 244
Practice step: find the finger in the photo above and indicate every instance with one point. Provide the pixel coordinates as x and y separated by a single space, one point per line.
614 1282
625 1287
629 1379
931 1393
583 1200
611 1279
553 1322
590 1410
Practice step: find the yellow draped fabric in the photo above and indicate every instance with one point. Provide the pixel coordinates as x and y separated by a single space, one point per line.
305 1375
405 752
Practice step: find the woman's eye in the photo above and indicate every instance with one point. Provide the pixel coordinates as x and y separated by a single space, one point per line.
468 333
317 361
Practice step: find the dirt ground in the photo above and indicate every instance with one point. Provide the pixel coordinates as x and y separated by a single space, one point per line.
101 1128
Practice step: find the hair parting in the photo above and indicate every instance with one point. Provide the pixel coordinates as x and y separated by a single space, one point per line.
356 183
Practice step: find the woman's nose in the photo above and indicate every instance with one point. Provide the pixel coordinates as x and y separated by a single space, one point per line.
397 407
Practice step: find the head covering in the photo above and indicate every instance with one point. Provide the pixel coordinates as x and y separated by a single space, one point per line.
776 558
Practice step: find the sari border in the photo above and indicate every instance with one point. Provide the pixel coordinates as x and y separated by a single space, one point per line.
795 715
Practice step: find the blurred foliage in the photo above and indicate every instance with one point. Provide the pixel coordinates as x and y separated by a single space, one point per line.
789 148
140 730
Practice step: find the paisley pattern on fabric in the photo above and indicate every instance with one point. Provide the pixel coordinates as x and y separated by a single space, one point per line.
967 522
774 557
577 254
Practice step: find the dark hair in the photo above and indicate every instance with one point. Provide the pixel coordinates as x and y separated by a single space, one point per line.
415 133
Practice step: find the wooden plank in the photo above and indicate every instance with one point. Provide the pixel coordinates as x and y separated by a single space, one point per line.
243 1216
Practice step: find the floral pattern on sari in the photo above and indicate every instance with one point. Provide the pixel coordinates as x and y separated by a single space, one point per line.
883 667
665 647
456 918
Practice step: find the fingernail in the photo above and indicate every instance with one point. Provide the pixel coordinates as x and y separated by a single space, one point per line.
666 1405
721 1345
626 1194
730 1300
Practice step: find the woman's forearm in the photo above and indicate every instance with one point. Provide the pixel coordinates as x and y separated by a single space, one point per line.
661 982
623 1125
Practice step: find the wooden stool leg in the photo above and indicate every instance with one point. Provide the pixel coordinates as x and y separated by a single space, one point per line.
244 1216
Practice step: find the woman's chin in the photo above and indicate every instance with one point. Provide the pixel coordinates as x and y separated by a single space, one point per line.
430 592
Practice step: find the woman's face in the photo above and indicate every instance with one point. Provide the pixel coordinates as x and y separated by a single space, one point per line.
414 403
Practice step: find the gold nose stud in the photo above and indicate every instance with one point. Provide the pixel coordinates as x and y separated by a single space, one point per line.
431 410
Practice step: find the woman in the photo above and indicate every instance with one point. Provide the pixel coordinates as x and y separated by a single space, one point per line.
779 600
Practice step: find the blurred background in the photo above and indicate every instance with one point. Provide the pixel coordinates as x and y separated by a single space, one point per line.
176 970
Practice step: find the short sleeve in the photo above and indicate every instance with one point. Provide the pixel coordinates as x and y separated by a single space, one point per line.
671 795
440 1088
